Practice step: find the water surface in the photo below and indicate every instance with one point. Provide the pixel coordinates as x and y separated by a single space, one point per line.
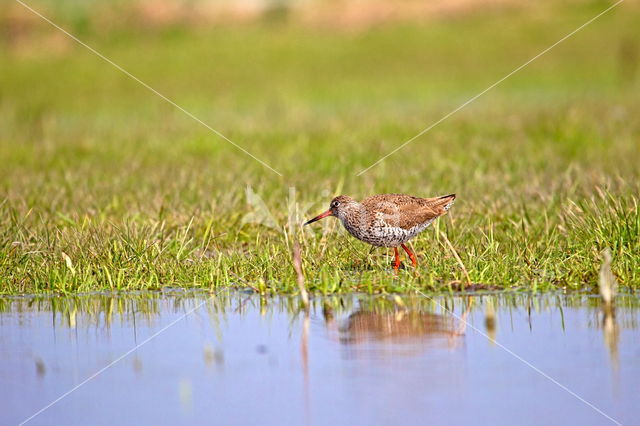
236 358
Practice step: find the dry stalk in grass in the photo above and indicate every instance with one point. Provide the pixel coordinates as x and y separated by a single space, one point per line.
607 283
297 265
455 254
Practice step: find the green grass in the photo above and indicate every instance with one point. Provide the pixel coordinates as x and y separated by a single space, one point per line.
104 186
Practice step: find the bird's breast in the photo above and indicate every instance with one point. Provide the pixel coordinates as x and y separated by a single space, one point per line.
380 233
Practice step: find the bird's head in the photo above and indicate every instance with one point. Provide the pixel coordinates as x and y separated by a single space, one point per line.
339 207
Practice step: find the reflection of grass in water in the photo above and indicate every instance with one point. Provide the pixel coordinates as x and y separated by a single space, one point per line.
351 319
97 310
139 196
102 310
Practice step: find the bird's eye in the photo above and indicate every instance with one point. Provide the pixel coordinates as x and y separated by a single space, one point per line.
335 204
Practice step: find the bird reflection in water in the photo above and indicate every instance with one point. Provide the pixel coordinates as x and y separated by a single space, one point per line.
399 331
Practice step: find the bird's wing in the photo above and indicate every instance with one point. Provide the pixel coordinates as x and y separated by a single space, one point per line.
407 211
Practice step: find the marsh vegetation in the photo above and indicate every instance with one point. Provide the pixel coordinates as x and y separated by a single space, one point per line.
105 186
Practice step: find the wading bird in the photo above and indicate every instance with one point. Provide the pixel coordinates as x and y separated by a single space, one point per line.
388 220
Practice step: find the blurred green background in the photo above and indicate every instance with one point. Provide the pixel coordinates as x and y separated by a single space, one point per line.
104 184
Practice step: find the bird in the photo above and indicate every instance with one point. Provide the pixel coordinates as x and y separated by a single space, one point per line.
388 220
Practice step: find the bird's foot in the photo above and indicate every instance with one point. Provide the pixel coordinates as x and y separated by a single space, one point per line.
397 266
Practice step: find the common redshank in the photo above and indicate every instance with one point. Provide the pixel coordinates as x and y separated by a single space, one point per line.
388 220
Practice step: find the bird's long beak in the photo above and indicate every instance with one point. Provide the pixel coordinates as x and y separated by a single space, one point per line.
320 216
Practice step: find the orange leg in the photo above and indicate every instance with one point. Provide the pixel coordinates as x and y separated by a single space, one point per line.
396 264
411 255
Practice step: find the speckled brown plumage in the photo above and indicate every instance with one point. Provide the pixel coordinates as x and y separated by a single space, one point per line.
387 220
407 211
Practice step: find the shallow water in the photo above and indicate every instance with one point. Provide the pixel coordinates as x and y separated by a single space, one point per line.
238 359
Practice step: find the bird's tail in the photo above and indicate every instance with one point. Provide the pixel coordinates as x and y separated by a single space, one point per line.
446 201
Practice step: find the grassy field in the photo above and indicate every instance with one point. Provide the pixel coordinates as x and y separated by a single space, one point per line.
105 186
